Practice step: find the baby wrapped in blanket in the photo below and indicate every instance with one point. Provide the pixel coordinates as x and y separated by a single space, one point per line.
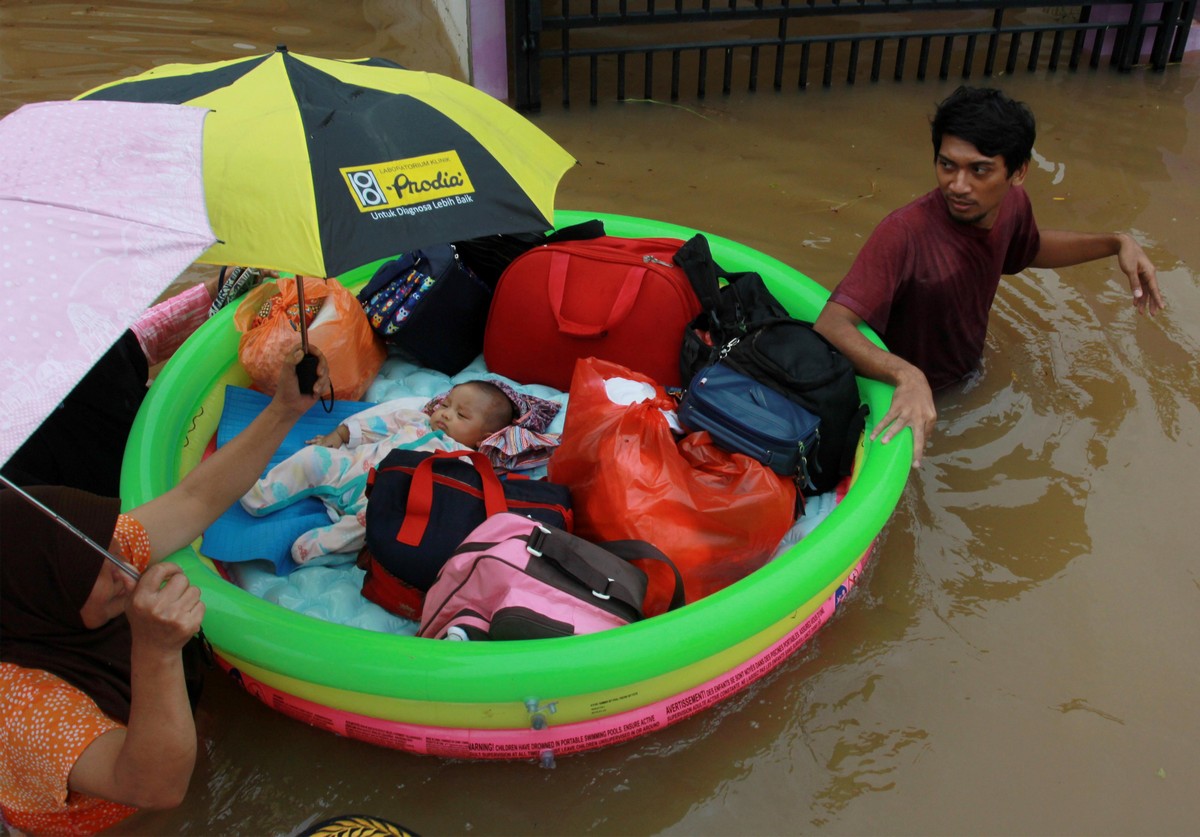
505 425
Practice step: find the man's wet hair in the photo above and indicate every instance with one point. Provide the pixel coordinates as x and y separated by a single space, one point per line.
988 119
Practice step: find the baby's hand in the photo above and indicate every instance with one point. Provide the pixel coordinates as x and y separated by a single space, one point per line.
334 439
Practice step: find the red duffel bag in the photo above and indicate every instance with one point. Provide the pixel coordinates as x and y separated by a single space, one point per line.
620 299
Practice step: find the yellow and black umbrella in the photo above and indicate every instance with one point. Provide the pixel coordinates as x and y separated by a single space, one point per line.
317 166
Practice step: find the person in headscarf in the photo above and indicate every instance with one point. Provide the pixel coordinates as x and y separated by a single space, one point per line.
485 415
107 399
97 673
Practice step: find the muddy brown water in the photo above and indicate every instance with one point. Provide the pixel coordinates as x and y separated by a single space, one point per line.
1024 656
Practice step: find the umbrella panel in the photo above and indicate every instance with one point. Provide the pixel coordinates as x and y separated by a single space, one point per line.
81 264
317 166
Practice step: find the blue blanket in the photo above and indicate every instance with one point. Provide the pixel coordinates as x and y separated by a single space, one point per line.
237 535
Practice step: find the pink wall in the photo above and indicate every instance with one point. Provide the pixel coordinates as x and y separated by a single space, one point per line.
1120 14
489 48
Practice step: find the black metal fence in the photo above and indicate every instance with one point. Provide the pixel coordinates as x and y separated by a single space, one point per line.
576 47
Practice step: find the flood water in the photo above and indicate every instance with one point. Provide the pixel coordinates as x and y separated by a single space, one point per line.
1024 656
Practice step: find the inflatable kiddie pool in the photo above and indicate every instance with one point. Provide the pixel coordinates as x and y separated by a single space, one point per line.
526 699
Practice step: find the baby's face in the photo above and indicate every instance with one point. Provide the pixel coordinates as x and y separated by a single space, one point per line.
463 416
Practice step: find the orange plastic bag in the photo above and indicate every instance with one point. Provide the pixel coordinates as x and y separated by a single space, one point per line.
717 515
269 321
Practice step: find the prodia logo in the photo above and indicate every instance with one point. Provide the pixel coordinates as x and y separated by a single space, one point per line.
414 180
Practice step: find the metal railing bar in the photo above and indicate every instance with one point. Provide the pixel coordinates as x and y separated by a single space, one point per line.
831 7
968 32
1168 25
1035 52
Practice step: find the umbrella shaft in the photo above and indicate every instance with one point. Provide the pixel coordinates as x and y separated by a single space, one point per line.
303 319
46 510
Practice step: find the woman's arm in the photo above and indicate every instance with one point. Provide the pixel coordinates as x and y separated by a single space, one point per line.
176 518
148 764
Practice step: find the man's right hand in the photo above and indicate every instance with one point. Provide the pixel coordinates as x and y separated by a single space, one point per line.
912 406
912 401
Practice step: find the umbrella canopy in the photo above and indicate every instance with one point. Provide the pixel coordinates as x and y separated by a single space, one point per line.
317 166
101 208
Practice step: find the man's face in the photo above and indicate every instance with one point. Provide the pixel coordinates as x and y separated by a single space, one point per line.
972 184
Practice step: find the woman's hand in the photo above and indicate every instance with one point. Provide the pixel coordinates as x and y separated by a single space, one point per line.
165 610
287 392
178 517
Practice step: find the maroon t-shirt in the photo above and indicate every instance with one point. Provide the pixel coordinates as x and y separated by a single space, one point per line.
926 282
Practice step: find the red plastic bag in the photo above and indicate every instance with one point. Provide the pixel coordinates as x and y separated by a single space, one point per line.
269 321
717 515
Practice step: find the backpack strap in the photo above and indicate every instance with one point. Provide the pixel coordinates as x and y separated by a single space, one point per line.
702 272
576 232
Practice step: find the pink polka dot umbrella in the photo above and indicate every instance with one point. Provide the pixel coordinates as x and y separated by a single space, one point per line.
101 208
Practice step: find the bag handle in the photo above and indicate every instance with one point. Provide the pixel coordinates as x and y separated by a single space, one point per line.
622 305
605 573
420 493
584 560
388 272
634 550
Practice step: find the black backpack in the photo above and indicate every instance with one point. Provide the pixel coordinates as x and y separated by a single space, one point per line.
791 358
490 255
725 312
748 329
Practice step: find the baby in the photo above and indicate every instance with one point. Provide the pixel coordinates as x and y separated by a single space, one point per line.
476 415
468 414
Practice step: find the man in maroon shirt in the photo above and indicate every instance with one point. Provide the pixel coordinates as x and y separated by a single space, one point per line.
926 278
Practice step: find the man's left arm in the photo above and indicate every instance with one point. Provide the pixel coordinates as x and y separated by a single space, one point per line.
1060 248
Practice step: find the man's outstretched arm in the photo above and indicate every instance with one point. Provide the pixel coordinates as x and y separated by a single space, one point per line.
1060 248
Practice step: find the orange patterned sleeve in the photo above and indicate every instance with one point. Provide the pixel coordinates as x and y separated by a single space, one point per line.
133 541
47 724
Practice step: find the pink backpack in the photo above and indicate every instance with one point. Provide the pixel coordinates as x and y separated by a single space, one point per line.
517 578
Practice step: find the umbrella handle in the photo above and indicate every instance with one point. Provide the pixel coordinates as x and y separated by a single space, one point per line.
306 373
306 369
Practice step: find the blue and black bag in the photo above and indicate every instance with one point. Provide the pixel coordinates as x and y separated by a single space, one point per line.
746 329
745 416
